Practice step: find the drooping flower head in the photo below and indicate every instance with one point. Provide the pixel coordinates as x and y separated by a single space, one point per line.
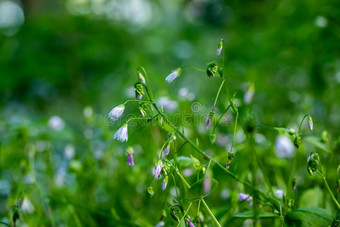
244 197
172 76
165 182
122 133
310 123
219 48
166 150
117 112
158 169
130 161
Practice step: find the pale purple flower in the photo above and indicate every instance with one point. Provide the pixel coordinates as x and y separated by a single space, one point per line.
157 170
117 112
284 147
172 76
190 224
278 194
166 150
122 133
244 197
130 160
165 182
207 123
310 123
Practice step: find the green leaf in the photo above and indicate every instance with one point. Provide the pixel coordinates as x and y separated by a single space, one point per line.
317 142
196 191
195 162
310 216
183 161
250 215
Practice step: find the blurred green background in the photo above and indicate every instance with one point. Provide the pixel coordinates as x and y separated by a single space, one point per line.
65 64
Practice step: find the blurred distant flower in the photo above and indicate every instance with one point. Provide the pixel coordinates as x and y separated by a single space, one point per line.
284 147
278 194
165 182
219 48
88 111
56 123
130 151
69 151
158 169
248 96
321 21
117 112
27 206
172 76
310 123
122 133
167 103
141 78
190 224
207 184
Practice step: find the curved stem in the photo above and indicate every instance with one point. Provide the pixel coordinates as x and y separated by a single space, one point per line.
185 214
135 100
330 192
235 127
193 67
306 115
210 213
220 117
149 92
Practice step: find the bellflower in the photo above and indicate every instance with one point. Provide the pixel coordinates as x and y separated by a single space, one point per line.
172 76
122 133
117 112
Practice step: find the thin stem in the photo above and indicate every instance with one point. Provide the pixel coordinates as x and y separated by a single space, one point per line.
193 67
135 100
272 200
173 178
185 214
211 214
218 93
235 127
198 207
166 142
330 192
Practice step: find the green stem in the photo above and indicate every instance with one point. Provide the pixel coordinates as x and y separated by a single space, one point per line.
135 100
330 192
211 214
185 214
218 94
193 67
235 127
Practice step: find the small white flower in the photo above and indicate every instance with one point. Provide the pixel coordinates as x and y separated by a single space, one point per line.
284 147
122 133
172 76
279 194
117 112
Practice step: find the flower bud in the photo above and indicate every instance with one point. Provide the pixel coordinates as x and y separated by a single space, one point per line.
139 90
158 169
117 112
297 141
173 75
176 211
313 163
190 224
150 191
219 48
130 161
310 123
165 182
290 203
141 77
212 69
294 184
166 150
